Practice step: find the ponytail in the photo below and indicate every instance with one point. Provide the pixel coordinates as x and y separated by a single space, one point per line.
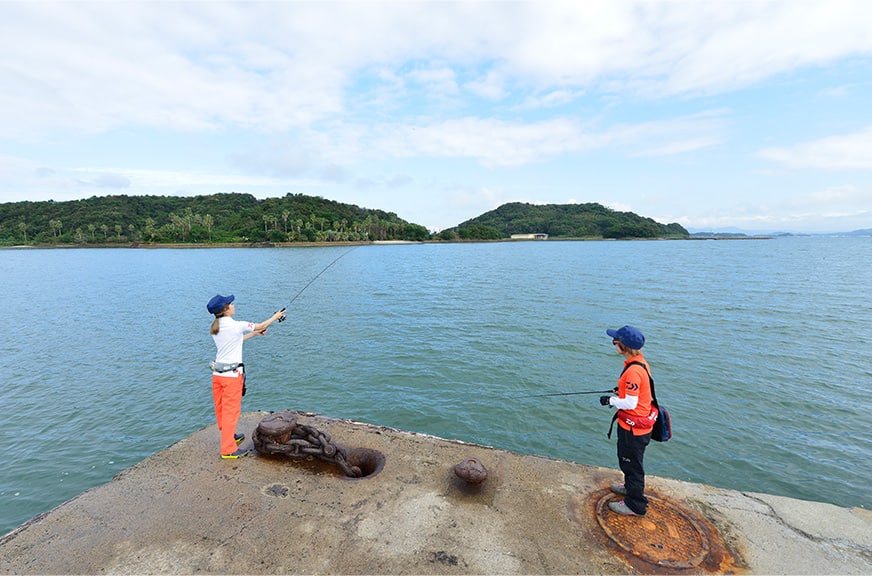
215 324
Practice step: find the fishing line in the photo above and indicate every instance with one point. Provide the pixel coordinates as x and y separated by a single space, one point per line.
319 274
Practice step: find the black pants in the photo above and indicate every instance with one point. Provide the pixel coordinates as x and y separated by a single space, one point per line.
631 452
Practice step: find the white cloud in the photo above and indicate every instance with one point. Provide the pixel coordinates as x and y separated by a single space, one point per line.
441 80
106 180
494 142
845 195
616 206
673 136
490 142
491 86
272 66
322 95
729 45
848 151
831 209
551 99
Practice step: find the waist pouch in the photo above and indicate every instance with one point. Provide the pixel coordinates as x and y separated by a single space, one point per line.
226 366
638 421
634 421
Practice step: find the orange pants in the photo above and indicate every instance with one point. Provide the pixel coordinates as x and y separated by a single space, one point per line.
227 394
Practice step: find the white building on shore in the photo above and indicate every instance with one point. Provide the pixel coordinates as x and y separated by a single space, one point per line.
536 236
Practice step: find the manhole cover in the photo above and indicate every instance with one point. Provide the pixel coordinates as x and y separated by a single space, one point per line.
664 536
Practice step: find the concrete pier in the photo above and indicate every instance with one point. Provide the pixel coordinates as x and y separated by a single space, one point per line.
185 510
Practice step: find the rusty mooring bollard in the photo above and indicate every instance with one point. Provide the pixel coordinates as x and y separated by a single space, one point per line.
471 470
280 433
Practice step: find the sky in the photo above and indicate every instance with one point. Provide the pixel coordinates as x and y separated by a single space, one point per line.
716 114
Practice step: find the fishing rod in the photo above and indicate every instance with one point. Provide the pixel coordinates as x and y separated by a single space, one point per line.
316 277
284 314
566 393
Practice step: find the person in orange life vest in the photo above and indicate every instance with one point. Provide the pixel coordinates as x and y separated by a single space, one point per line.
634 397
228 376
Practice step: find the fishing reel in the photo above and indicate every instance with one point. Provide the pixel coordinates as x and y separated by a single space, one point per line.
283 316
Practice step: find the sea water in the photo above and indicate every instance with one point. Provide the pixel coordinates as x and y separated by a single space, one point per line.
758 349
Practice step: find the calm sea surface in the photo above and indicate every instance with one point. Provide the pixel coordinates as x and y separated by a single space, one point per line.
759 349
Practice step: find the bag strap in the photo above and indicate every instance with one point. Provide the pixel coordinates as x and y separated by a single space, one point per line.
653 395
650 380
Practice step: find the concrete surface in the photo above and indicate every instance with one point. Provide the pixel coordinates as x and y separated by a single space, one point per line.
184 510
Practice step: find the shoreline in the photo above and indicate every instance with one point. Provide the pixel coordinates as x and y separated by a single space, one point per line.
184 510
183 246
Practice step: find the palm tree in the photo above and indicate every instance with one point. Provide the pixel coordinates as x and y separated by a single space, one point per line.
208 222
55 226
149 228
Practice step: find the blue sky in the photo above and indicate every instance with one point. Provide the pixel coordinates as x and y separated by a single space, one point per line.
715 114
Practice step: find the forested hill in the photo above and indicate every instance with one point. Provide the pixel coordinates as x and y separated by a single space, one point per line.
566 221
200 219
234 217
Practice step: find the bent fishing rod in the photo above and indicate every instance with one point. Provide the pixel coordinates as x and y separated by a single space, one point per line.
303 289
317 275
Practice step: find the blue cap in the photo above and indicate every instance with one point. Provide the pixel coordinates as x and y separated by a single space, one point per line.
629 337
218 302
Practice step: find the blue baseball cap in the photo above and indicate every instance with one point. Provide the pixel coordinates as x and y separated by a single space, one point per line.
218 302
629 336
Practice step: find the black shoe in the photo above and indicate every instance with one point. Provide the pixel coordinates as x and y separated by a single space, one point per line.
238 454
239 438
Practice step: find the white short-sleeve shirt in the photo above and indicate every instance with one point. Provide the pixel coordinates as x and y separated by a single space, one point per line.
228 340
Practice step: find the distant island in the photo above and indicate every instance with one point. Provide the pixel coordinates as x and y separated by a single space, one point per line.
589 220
237 218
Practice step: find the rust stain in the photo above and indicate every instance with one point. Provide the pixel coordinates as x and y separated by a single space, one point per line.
675 540
669 539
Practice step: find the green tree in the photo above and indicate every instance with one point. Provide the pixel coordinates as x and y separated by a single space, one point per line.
233 217
55 227
208 222
150 229
479 232
447 234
